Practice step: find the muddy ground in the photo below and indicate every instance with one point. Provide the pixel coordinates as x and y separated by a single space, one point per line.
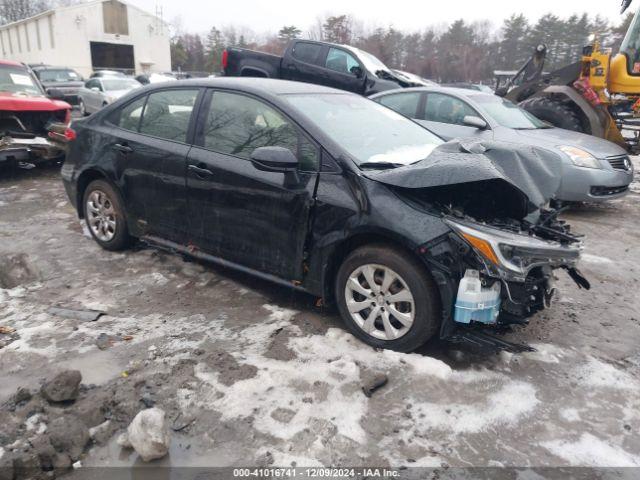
254 374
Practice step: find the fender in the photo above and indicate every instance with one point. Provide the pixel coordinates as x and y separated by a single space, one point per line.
588 110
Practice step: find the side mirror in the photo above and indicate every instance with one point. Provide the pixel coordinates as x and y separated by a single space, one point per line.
357 71
55 94
274 159
475 122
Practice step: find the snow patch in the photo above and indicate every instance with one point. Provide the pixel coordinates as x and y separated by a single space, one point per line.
590 451
589 258
505 406
570 414
595 373
546 353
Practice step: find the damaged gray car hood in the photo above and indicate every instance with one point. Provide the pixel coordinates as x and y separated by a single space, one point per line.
535 172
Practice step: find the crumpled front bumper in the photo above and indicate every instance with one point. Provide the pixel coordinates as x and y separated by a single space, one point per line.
30 150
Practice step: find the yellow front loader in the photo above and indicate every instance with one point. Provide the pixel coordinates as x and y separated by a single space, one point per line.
599 94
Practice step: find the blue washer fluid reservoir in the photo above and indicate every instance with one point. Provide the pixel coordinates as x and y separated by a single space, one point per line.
475 303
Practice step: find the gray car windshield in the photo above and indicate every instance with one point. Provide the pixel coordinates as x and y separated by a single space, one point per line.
115 84
369 132
508 114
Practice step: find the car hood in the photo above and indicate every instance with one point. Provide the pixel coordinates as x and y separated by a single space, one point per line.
554 137
36 103
526 174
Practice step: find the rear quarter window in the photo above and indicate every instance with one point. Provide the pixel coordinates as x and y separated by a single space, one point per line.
167 114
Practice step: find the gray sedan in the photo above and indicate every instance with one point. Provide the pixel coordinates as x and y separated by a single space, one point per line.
100 92
593 169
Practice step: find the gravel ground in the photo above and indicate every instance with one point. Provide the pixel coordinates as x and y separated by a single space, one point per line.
254 374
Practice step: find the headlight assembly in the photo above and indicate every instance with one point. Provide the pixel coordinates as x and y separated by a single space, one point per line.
579 157
510 255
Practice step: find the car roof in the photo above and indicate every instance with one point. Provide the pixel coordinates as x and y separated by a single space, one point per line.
259 86
11 63
462 92
49 67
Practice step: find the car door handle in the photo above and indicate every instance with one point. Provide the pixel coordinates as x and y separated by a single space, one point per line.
122 148
200 172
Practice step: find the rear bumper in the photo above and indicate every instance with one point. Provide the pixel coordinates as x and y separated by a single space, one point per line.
592 184
32 150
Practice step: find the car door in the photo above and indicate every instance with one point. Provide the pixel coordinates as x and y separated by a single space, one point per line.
303 63
444 114
150 144
255 218
341 71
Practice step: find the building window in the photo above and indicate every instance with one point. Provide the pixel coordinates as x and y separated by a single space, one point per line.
114 16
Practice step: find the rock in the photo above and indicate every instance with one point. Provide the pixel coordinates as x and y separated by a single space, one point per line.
103 342
61 462
77 465
374 383
123 440
147 400
69 434
63 387
45 451
22 395
6 465
149 434
26 464
101 433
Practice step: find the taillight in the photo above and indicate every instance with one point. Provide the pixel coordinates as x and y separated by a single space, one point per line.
70 134
225 59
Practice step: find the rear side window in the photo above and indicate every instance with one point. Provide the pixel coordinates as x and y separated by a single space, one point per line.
129 116
404 103
306 52
167 114
238 124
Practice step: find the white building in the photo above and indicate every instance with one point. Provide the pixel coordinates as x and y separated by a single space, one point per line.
90 36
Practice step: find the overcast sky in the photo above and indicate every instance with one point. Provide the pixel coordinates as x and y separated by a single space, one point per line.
269 15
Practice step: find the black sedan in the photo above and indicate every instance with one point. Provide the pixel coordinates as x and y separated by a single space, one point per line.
324 191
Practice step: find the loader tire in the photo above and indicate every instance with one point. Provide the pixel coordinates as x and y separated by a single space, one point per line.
554 112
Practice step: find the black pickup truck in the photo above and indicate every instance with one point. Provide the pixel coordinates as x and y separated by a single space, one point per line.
338 66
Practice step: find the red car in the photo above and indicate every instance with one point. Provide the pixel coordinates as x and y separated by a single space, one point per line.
33 125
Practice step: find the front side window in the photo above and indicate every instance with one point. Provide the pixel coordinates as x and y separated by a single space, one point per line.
370 133
447 109
167 114
237 125
340 61
306 52
404 103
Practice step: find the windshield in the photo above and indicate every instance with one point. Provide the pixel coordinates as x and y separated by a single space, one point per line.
17 80
60 75
508 114
371 63
114 84
369 132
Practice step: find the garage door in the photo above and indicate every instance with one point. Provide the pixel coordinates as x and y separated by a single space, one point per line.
113 56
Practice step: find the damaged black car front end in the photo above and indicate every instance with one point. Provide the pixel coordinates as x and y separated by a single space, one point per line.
501 238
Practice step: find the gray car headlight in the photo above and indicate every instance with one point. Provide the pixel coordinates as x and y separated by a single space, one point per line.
579 157
511 255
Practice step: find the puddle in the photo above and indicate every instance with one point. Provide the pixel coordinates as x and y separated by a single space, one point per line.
96 367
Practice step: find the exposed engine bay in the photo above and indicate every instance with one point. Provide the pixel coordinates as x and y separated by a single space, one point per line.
29 136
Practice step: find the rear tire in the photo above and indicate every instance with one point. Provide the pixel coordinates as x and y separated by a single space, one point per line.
82 108
399 315
554 112
105 216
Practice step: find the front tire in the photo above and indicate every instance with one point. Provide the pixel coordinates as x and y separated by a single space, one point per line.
387 299
554 112
105 216
82 108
